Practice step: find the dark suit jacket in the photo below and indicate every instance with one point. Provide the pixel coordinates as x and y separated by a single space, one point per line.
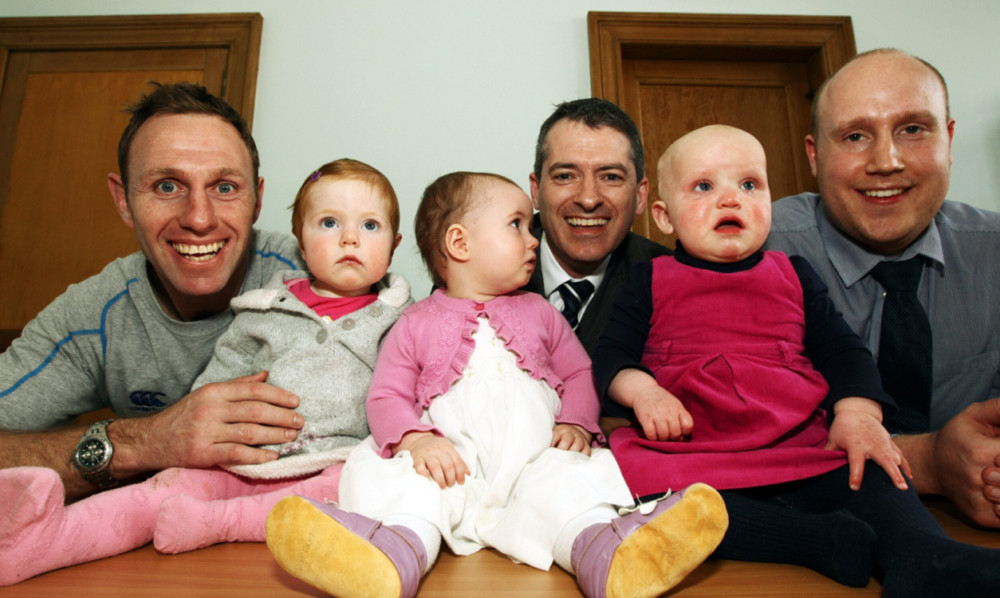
634 249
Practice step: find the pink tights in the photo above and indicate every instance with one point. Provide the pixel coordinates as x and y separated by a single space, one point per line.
178 509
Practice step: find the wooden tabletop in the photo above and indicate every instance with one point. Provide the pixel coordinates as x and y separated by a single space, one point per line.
249 570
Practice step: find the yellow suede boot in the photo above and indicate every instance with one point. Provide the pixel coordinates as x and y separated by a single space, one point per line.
344 554
651 549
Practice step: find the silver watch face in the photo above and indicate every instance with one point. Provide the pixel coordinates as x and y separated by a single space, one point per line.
91 454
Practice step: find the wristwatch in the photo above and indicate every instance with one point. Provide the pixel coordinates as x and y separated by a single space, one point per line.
92 456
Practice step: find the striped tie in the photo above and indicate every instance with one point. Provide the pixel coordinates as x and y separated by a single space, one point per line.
574 294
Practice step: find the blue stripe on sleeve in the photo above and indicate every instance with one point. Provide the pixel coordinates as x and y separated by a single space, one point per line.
104 317
278 257
73 333
48 359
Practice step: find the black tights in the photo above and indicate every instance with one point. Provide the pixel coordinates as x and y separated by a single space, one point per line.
850 535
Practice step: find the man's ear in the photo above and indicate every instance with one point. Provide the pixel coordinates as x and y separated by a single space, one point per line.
951 136
260 198
641 195
456 243
811 154
534 191
121 202
661 217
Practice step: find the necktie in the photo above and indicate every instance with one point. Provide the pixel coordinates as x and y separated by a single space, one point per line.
574 294
904 353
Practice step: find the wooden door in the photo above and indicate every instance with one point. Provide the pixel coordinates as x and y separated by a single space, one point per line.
675 73
65 83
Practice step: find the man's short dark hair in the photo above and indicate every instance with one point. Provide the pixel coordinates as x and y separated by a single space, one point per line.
595 113
181 98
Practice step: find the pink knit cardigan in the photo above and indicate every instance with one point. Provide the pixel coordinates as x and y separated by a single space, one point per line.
426 350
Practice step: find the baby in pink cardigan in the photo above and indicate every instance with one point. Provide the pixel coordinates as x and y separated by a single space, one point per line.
483 415
317 336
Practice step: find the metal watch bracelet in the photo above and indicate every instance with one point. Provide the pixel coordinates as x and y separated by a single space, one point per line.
93 454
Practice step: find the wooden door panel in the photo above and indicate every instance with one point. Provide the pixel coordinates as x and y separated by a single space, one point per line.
65 82
769 100
676 72
58 224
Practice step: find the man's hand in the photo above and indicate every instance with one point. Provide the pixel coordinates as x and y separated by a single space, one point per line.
857 430
961 461
571 437
434 457
218 424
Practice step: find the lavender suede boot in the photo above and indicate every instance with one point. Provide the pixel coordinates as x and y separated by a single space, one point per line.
344 554
650 550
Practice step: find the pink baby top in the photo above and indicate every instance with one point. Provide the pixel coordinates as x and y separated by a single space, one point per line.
427 349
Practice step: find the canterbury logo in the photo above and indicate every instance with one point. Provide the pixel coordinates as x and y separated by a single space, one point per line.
147 398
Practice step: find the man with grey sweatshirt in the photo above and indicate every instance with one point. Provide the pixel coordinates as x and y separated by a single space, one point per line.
135 336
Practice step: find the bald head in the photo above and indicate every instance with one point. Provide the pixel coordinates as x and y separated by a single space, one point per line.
875 59
714 194
701 148
881 149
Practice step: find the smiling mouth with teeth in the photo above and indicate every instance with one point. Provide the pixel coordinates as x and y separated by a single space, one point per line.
198 253
883 192
587 221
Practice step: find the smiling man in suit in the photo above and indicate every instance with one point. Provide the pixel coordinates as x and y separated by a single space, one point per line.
588 185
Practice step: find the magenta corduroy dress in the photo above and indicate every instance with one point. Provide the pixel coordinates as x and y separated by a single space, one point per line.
729 346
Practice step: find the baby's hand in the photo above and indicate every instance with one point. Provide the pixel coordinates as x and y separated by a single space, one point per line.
571 437
434 457
857 429
661 415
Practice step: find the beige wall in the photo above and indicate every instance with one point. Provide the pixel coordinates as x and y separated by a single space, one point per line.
420 88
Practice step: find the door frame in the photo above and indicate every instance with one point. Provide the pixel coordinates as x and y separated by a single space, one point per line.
822 43
236 34
239 33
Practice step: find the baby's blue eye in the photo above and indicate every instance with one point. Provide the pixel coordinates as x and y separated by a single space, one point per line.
703 186
749 186
516 223
370 226
328 223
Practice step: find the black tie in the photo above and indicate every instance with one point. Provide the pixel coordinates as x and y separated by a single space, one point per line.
574 294
904 352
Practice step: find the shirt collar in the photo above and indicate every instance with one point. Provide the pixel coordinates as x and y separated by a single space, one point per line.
853 262
553 275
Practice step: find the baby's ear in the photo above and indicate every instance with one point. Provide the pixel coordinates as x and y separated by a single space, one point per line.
456 243
661 217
